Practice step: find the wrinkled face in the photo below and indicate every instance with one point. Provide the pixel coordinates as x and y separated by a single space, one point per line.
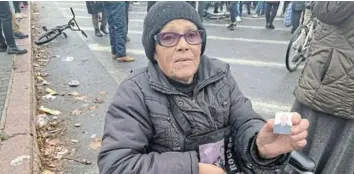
179 57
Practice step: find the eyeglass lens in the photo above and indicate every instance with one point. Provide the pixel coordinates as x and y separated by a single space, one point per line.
172 38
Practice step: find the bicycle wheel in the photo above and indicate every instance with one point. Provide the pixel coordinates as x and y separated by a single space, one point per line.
47 37
296 44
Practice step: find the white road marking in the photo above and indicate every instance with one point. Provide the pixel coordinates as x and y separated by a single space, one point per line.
264 108
83 5
205 23
238 61
217 38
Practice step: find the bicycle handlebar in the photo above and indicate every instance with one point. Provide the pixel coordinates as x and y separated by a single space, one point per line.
73 20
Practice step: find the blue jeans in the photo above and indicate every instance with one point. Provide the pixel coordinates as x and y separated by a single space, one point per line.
234 10
295 19
118 26
260 7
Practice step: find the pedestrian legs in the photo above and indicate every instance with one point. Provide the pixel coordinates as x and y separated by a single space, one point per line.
95 21
233 14
117 21
6 28
271 12
295 20
127 19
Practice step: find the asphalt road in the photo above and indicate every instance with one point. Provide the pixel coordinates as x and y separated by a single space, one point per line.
256 56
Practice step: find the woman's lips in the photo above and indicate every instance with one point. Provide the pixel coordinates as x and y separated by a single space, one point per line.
183 60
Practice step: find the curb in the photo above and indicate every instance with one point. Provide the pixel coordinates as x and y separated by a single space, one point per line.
20 109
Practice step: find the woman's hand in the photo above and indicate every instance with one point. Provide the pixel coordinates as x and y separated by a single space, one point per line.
271 145
210 169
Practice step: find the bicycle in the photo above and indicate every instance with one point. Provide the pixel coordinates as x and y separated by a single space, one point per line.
300 43
51 34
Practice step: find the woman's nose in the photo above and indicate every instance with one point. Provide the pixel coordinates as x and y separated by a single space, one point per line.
182 45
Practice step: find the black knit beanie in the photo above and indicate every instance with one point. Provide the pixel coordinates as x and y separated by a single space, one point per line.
159 15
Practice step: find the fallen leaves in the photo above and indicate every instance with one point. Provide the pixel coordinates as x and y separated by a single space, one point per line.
96 143
98 100
76 112
74 93
43 109
81 98
47 172
2 136
50 91
52 142
92 108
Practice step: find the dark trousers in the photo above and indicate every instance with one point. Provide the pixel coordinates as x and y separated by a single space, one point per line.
271 12
286 3
295 19
233 11
118 28
95 21
6 24
17 6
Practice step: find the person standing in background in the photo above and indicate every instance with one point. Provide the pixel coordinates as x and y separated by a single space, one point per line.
15 26
117 21
260 9
94 8
271 12
298 8
17 8
7 41
233 14
324 92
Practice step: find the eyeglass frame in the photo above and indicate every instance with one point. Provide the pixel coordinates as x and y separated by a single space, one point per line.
201 33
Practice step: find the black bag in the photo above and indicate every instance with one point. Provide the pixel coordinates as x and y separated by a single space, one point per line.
232 164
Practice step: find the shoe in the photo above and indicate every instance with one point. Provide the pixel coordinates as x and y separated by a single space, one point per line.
98 33
271 26
127 39
267 25
3 47
114 56
104 29
20 35
255 16
231 26
16 50
126 59
238 19
18 16
292 30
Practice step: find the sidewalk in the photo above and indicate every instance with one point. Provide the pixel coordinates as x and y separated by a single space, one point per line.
18 150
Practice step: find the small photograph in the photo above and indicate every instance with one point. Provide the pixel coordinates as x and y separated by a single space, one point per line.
282 124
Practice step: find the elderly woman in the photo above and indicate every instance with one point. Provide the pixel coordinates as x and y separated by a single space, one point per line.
325 90
176 115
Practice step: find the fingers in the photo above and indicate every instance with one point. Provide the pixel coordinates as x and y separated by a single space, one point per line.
299 136
302 126
300 144
268 127
296 118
